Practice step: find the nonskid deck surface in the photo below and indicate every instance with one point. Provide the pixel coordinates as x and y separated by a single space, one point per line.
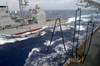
93 57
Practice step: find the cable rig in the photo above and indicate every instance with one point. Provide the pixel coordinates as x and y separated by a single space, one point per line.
80 56
58 19
79 9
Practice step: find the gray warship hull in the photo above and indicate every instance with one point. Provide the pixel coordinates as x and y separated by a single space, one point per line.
15 25
28 28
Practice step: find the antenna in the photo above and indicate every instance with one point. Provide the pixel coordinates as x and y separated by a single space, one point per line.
6 6
22 6
6 2
26 1
20 1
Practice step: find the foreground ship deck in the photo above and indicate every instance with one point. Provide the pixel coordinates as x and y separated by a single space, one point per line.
93 57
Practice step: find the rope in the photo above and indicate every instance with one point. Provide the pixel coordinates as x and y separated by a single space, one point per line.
50 41
78 33
75 30
63 38
86 36
52 38
90 41
66 9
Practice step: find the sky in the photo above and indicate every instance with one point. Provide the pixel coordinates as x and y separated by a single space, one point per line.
44 4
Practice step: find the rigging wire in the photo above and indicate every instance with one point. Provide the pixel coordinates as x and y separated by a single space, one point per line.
75 30
86 36
88 28
95 9
63 38
65 8
90 39
78 32
68 7
52 38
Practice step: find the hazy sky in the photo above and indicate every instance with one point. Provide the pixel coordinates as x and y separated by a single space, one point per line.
44 4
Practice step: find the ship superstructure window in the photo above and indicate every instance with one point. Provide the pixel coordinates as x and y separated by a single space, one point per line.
6 11
30 9
2 8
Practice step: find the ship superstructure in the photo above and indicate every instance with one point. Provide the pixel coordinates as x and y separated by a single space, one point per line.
14 24
37 15
5 18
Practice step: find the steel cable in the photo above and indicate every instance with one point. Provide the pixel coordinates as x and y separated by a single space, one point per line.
63 38
86 36
75 30
78 33
52 38
89 41
50 41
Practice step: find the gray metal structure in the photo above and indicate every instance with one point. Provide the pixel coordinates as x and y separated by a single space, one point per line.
94 3
13 24
88 52
5 19
93 57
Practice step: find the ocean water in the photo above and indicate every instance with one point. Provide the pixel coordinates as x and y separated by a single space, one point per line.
22 51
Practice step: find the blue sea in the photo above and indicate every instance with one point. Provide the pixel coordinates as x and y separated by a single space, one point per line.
22 51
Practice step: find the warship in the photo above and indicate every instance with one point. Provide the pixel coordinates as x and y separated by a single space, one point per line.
87 53
15 25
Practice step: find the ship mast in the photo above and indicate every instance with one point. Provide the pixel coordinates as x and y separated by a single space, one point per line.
6 6
22 5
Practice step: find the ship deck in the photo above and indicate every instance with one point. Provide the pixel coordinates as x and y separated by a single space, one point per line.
93 56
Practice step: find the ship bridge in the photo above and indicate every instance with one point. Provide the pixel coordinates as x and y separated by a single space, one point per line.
38 14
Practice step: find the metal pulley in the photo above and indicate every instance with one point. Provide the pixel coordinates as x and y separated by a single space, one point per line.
81 1
97 10
91 18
